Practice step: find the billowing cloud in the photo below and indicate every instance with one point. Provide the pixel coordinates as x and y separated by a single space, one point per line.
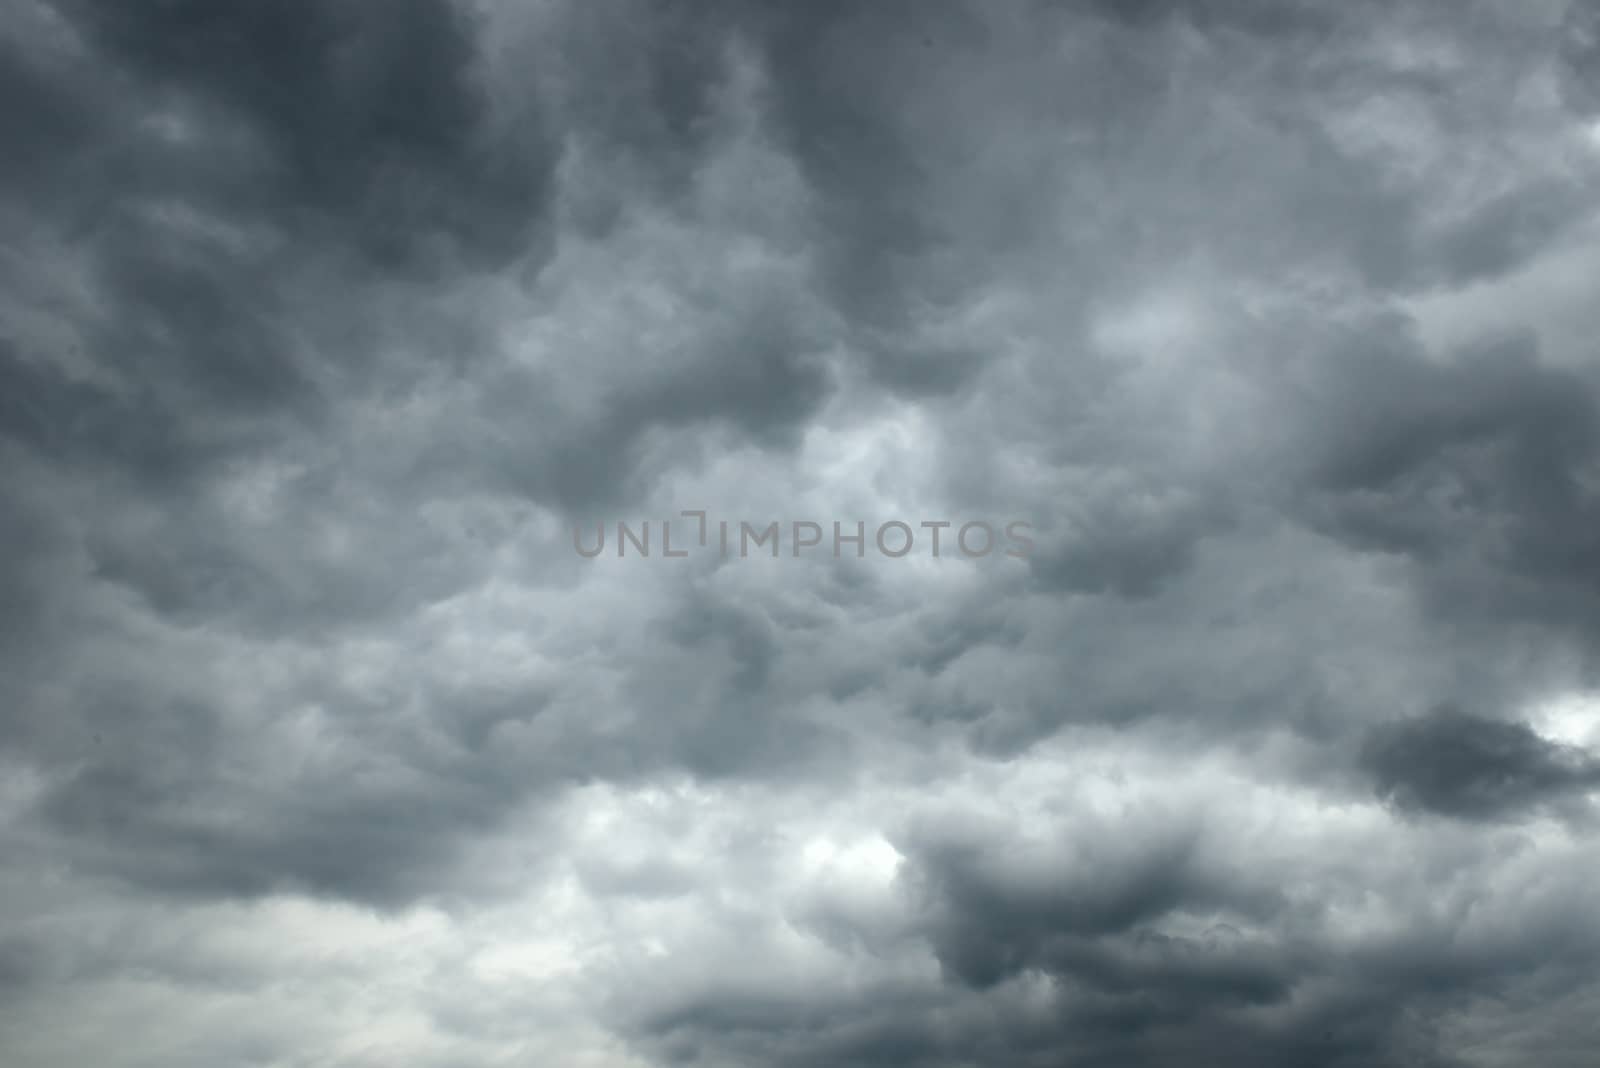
323 324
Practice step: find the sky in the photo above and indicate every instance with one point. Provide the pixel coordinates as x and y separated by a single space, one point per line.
326 325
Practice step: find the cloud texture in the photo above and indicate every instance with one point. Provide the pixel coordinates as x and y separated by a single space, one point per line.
323 322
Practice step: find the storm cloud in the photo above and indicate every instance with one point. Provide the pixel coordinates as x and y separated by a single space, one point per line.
323 323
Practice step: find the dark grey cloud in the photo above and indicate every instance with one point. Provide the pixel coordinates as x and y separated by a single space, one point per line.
367 120
1479 472
321 324
1473 768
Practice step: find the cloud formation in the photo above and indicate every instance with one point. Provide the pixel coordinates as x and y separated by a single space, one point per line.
323 323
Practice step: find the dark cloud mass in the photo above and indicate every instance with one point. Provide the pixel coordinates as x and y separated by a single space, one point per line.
322 322
1473 768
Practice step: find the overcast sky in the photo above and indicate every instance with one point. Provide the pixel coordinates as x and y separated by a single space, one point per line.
324 322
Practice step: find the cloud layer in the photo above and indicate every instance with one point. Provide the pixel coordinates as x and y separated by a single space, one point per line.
323 323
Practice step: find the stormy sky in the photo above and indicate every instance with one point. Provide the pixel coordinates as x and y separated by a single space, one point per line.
323 323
